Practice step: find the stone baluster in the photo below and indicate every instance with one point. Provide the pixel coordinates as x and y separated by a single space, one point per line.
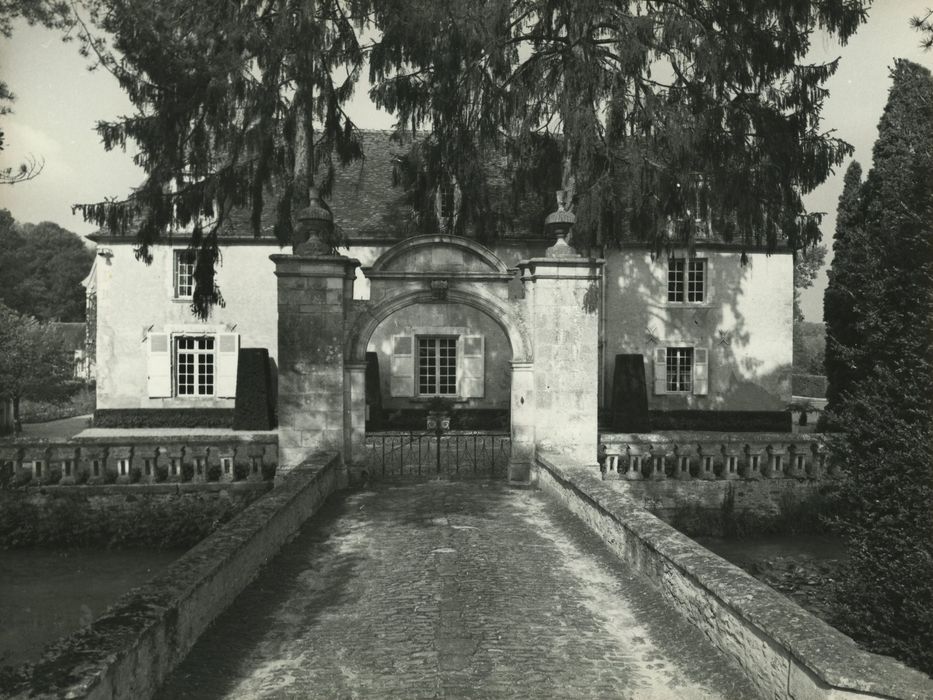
255 453
660 454
146 459
64 458
240 461
685 458
777 460
732 454
636 455
817 467
708 452
10 462
121 462
94 463
798 457
755 457
175 460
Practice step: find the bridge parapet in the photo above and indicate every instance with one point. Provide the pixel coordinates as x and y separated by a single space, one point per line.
784 650
130 649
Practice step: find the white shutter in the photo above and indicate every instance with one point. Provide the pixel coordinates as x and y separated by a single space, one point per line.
228 355
472 366
700 371
660 370
159 366
402 366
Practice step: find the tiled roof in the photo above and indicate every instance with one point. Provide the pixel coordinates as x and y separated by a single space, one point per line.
364 202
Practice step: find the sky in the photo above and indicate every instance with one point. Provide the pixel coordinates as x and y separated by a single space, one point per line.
58 103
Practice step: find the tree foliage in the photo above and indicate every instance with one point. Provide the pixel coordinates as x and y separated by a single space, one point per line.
663 118
669 116
885 409
808 262
42 267
33 361
232 99
846 273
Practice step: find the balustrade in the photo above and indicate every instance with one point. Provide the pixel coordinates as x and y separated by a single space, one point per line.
141 461
796 457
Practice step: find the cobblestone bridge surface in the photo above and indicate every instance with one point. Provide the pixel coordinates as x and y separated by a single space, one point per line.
449 590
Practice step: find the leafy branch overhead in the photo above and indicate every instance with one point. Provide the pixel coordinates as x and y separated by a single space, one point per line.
666 118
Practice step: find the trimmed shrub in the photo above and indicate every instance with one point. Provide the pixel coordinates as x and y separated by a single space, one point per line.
187 471
268 472
240 471
213 472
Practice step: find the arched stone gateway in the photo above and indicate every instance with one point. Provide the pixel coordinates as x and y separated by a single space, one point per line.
446 319
439 299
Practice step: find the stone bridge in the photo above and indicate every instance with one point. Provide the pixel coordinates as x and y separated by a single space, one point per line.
448 588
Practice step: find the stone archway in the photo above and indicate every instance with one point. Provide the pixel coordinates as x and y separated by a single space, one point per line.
466 274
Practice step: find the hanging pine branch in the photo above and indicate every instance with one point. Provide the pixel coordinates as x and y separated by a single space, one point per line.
672 116
235 100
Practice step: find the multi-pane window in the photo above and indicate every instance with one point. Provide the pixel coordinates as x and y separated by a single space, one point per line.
446 200
437 366
184 274
679 369
194 366
686 280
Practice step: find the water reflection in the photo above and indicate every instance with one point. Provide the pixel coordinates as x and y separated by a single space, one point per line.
47 593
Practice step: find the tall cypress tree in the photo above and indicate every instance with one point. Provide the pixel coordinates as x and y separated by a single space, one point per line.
886 414
843 288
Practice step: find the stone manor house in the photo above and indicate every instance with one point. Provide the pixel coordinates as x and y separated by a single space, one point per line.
524 335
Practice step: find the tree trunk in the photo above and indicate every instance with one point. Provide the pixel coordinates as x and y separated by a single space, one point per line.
17 427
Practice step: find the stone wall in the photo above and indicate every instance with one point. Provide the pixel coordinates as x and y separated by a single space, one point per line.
128 651
134 299
785 651
746 323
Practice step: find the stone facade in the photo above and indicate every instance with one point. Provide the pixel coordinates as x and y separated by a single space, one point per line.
744 322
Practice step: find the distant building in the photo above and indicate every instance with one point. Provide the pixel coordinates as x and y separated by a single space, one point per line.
714 335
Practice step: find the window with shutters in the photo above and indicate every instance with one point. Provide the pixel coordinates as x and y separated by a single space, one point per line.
686 280
184 274
681 370
679 365
437 366
194 365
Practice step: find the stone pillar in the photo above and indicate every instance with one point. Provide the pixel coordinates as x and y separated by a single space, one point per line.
562 293
315 292
355 412
523 422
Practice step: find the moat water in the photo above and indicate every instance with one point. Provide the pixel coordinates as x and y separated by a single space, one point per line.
47 593
744 552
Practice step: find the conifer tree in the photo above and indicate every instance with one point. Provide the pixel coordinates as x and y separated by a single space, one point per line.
665 118
843 288
885 415
667 115
234 100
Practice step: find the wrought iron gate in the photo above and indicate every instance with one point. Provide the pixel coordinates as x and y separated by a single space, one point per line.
456 453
